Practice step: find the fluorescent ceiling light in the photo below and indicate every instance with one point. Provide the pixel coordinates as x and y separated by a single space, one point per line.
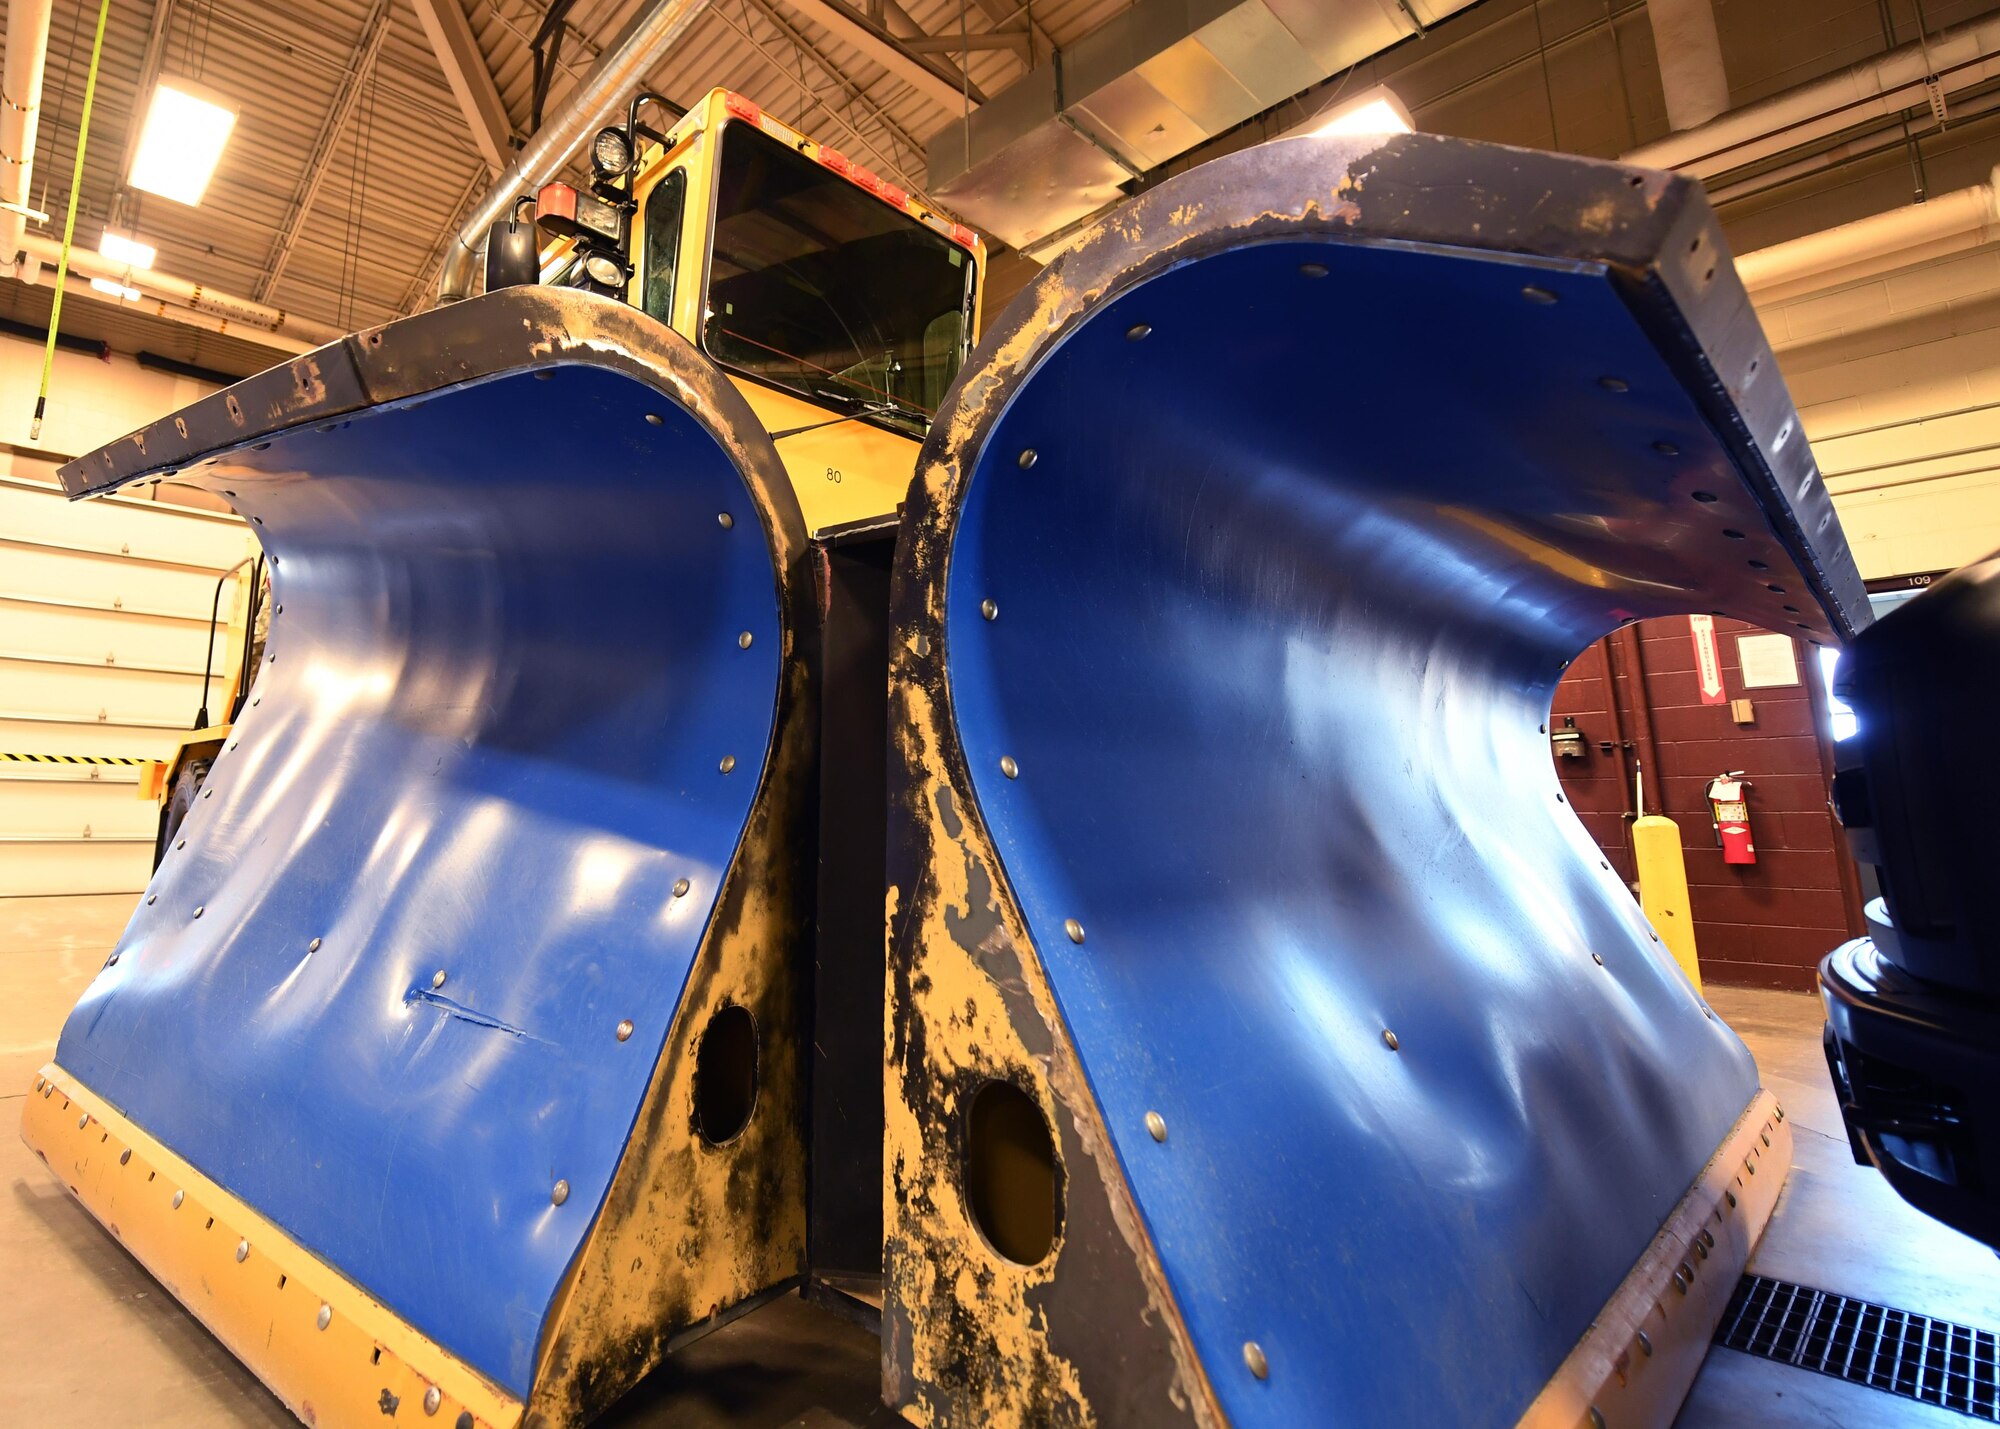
1374 111
129 251
186 127
115 289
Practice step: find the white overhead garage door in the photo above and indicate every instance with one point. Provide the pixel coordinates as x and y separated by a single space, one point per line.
104 618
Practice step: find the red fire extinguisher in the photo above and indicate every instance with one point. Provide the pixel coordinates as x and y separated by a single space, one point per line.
1729 805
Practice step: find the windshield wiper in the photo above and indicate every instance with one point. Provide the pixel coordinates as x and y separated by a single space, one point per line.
884 406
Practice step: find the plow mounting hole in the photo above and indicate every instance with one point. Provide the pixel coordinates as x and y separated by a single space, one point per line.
1010 1173
725 1075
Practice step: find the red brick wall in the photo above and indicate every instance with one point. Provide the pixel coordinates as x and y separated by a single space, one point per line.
1766 924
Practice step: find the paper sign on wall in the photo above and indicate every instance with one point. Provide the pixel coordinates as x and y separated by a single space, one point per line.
1707 663
1768 661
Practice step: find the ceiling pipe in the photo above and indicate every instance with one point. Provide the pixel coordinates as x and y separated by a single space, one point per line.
79 289
1691 73
599 97
1877 89
1869 247
253 320
20 113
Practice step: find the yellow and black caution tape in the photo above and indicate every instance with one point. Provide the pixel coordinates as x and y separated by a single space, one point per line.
70 759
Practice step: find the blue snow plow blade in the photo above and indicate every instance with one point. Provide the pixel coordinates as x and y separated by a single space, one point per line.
510 819
1236 589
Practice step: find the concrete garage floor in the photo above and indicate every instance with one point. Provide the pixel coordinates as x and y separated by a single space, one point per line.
97 1341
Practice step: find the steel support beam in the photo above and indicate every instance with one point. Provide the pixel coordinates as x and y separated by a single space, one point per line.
932 79
374 30
1005 13
1016 40
464 66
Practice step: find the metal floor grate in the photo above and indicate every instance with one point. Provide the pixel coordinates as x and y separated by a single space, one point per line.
1933 1361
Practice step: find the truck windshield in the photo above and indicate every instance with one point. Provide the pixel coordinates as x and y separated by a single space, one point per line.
818 287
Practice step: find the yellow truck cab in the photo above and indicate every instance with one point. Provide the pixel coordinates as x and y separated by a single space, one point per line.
840 306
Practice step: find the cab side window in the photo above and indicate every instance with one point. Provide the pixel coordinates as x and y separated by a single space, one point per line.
662 225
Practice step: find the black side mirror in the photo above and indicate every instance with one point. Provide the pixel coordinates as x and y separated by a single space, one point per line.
512 256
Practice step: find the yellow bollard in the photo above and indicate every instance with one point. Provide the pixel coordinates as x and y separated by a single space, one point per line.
1663 888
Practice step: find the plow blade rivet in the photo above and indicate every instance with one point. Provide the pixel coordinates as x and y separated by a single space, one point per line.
559 1193
653 419
1253 1356
1389 1040
152 898
1138 332
625 1030
1597 958
125 1156
990 610
1538 295
1614 384
179 1196
1596 1417
437 978
1681 1281
1312 270
313 946
728 762
724 520
1009 767
680 887
432 1398
1074 929
1156 1126
743 641
1027 458
1730 1196
325 1316
242 1251
1666 449
200 908
182 844
83 1121
1645 1343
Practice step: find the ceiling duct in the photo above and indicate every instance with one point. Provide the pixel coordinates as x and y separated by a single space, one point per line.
1144 88
598 98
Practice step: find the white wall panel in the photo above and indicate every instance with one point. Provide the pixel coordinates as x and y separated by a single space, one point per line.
104 609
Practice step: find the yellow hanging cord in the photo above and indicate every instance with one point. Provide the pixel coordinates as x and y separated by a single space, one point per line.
69 223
